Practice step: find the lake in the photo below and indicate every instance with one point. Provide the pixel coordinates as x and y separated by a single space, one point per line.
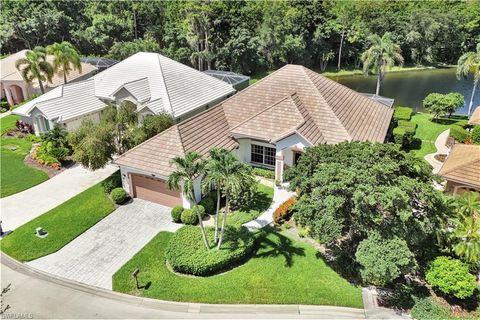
409 88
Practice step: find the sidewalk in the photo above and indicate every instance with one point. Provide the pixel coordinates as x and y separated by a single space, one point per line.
24 206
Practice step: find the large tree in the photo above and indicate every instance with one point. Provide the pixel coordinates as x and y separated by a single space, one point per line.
470 63
124 49
35 67
65 58
187 170
381 56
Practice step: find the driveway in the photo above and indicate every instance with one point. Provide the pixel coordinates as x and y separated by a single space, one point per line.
97 254
24 206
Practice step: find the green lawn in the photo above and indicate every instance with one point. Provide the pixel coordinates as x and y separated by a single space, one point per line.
63 224
283 271
261 202
428 131
15 175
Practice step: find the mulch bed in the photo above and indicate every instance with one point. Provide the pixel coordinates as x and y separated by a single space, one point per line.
440 157
51 172
450 142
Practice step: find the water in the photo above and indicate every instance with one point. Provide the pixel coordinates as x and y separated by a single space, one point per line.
409 88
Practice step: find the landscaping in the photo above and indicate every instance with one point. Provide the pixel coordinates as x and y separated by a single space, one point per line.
282 271
16 176
63 224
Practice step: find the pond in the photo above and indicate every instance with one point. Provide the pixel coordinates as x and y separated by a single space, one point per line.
409 88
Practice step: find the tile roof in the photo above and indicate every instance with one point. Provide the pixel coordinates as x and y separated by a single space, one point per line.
292 99
462 165
475 117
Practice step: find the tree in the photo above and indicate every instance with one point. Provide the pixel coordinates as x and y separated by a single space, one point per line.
381 56
187 170
154 124
470 63
121 120
124 49
35 67
384 259
451 276
65 58
441 104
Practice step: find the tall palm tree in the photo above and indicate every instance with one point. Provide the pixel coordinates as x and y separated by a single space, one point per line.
214 177
381 56
470 63
187 170
65 58
234 174
35 66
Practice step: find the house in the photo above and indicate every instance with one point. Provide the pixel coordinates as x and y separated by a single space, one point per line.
475 117
152 82
15 89
268 124
461 169
236 80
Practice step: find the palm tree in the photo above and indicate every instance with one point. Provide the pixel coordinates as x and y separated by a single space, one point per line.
214 177
470 62
187 170
65 58
381 56
35 66
234 175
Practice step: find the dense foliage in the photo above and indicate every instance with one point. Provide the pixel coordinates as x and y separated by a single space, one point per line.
402 113
189 216
476 135
266 173
459 133
176 213
352 190
284 211
451 276
246 36
442 104
119 195
186 254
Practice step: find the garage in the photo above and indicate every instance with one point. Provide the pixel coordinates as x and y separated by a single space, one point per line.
154 190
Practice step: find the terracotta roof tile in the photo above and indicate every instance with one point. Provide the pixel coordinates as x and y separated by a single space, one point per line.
462 165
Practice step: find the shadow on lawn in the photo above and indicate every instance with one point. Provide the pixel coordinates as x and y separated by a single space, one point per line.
282 246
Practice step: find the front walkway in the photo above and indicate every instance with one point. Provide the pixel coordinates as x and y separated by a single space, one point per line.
441 145
279 197
97 254
5 114
24 206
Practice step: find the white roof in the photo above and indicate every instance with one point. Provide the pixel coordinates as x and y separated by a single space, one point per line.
155 81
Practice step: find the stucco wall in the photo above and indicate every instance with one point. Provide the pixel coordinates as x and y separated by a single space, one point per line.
245 147
75 123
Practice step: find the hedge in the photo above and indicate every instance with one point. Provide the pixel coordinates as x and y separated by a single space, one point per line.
402 113
284 211
176 213
407 124
403 136
266 173
186 252
189 216
119 195
476 135
458 133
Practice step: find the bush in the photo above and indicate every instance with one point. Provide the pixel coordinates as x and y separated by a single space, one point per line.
451 276
186 252
407 124
112 182
476 135
402 113
32 138
403 136
41 156
427 308
209 204
177 214
119 195
189 216
458 133
24 127
284 211
266 173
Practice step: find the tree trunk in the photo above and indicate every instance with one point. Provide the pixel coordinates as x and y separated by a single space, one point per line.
200 221
220 239
41 86
377 92
217 214
470 105
340 50
64 76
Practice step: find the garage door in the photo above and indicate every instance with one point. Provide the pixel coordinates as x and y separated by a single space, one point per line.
154 190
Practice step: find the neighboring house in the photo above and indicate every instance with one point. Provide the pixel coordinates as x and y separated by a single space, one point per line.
15 89
236 80
475 117
461 169
268 124
100 63
154 83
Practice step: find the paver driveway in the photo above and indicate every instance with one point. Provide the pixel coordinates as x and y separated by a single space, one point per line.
97 254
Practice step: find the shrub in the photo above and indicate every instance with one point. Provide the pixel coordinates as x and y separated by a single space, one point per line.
119 195
427 308
41 156
177 213
403 136
407 124
284 211
266 173
32 138
402 113
112 182
189 216
476 135
24 127
187 254
458 133
451 276
200 208
209 204
303 232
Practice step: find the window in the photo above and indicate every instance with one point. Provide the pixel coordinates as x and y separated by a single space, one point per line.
263 155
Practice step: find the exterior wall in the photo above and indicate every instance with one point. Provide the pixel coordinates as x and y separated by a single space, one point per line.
245 147
13 95
75 123
34 115
456 188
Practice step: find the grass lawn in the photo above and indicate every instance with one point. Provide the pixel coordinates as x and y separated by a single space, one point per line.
428 131
63 224
15 176
283 271
261 202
